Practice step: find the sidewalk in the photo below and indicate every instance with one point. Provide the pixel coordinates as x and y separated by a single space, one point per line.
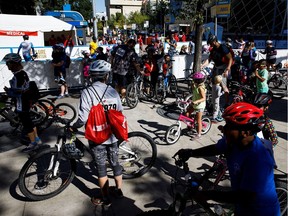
142 194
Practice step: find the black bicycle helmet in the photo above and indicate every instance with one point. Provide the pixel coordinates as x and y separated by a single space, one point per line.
211 38
12 57
262 99
25 37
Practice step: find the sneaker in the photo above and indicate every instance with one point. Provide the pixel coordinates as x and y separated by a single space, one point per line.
60 97
219 119
123 100
38 140
118 193
67 94
56 80
40 185
30 147
196 137
62 79
214 121
101 201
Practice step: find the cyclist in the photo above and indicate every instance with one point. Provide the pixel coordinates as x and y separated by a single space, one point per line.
19 89
271 54
99 71
198 102
27 47
250 163
221 55
263 101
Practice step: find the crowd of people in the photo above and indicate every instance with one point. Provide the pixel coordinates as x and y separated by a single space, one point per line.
249 161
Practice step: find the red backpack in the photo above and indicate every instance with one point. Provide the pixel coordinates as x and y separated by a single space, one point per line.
97 128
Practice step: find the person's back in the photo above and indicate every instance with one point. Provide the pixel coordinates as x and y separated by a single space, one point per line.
26 47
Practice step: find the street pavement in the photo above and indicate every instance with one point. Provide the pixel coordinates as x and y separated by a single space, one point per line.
148 192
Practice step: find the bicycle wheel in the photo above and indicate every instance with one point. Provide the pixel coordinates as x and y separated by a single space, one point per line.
51 112
39 113
281 189
132 93
173 87
173 134
137 155
151 93
206 125
65 111
160 91
275 81
37 180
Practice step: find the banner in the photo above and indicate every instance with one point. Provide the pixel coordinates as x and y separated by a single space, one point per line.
17 33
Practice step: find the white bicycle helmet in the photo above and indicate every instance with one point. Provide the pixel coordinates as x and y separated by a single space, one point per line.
100 68
269 42
12 57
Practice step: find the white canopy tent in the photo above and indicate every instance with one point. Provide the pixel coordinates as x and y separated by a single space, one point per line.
39 29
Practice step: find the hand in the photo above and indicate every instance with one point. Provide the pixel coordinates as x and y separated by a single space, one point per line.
5 88
184 154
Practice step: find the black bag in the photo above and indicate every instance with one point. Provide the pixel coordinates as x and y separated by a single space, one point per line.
33 91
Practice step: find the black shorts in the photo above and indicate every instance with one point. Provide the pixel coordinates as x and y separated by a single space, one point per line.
271 61
120 80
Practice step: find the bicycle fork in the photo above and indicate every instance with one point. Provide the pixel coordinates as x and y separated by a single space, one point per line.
54 162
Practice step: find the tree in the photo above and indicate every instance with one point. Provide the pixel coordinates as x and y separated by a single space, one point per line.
194 10
137 18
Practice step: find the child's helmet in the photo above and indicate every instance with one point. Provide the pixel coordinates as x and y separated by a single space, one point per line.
198 75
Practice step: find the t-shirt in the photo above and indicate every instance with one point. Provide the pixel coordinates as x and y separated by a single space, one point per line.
93 47
262 87
217 54
197 96
252 169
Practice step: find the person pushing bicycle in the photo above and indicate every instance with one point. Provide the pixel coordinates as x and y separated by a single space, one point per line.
250 163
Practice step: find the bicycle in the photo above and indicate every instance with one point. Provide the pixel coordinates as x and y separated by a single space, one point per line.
183 190
166 84
137 90
174 132
49 171
278 81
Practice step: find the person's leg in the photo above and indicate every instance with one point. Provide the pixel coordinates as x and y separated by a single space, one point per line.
199 122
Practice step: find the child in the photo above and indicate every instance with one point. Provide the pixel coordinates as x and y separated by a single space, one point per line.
262 77
148 68
86 65
216 94
263 101
166 67
198 103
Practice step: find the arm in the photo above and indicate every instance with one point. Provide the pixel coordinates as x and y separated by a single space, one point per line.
227 70
19 48
260 78
205 63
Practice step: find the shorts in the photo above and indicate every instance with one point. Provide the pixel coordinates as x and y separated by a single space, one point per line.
271 61
199 110
103 152
120 80
58 70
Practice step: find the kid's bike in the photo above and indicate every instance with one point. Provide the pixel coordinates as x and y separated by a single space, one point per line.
174 132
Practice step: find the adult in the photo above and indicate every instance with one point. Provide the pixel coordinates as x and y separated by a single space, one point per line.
250 163
93 46
69 43
52 40
124 62
172 45
19 90
58 62
99 71
221 56
271 54
26 47
100 54
183 50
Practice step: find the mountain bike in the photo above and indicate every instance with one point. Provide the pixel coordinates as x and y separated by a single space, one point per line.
278 81
49 171
166 84
174 132
137 90
184 188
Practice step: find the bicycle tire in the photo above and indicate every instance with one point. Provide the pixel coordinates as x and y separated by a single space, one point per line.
39 113
65 111
144 153
173 87
173 134
282 192
132 97
37 167
159 91
206 125
51 113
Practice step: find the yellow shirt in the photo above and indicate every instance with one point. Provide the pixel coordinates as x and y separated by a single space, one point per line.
93 47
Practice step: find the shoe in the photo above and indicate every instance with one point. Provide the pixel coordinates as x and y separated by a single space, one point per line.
62 79
60 97
214 121
123 101
67 95
38 140
219 119
30 147
196 137
40 185
56 80
118 193
101 201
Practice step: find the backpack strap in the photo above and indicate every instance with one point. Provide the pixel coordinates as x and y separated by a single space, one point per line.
97 95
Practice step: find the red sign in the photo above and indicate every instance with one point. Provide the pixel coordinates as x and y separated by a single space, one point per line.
17 33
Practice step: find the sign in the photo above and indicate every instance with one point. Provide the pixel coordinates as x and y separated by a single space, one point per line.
17 33
223 10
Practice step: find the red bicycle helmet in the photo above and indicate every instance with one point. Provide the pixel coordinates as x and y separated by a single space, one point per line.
242 114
